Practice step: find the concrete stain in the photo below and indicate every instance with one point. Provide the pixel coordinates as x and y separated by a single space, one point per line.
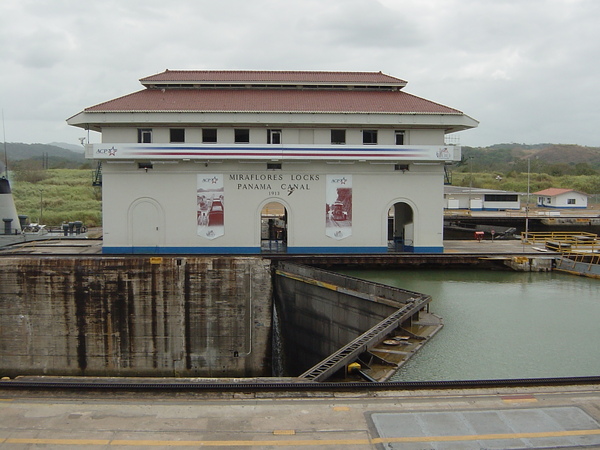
116 316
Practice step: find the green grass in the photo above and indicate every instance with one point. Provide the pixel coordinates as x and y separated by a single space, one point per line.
61 195
517 181
54 196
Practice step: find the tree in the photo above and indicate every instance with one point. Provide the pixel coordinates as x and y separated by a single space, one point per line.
584 169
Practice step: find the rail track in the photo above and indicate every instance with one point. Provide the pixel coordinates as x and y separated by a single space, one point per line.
96 384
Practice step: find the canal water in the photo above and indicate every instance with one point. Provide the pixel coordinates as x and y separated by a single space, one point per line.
503 324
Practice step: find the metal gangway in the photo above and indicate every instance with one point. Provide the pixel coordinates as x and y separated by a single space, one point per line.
350 352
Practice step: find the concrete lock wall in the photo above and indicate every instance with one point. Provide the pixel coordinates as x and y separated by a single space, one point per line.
321 311
201 316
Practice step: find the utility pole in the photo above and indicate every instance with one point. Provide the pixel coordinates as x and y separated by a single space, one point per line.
470 180
527 204
5 152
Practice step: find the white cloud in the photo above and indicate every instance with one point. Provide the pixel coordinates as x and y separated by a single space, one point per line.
526 69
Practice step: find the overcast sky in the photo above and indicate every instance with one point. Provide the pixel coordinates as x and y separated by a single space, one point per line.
528 70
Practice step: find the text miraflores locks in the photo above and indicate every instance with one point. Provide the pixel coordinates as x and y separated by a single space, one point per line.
262 181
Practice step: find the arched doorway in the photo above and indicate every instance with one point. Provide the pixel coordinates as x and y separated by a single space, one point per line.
273 228
401 229
145 224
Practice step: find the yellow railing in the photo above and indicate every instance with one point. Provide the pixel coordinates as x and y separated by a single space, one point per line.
457 212
585 258
568 237
564 241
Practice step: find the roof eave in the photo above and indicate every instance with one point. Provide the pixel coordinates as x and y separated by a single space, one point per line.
450 122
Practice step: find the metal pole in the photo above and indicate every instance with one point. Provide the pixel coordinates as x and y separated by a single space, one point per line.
470 181
5 152
527 204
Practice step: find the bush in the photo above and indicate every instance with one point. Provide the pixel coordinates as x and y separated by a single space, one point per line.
60 195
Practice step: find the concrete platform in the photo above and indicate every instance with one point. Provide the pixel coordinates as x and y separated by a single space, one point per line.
460 419
94 246
511 246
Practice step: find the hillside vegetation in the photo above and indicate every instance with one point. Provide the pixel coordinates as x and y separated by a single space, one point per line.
553 159
505 167
44 155
517 182
54 196
52 185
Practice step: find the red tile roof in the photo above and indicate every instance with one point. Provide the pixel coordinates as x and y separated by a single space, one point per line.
553 191
236 76
272 100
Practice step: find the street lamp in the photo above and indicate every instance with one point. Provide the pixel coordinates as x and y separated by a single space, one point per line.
5 151
470 180
527 203
528 194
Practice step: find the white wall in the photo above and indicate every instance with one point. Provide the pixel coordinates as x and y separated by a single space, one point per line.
126 135
258 135
425 137
561 200
170 189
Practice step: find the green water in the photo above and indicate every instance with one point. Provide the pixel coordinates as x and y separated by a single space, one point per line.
503 324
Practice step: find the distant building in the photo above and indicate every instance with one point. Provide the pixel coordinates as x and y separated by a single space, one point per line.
262 161
476 199
561 198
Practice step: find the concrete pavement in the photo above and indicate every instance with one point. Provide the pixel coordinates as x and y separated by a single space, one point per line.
459 419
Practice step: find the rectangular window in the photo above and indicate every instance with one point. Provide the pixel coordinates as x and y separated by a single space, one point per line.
273 166
242 135
177 135
338 136
571 201
501 197
209 135
273 136
399 137
369 136
144 135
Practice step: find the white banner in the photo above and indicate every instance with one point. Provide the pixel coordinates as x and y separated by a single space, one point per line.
210 200
338 206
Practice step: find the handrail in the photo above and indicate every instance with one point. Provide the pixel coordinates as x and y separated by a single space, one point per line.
540 236
559 236
585 258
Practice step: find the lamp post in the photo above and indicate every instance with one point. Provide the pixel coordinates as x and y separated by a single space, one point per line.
527 202
5 152
41 207
470 180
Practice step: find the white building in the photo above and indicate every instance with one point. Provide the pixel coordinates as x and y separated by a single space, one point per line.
249 162
561 198
459 197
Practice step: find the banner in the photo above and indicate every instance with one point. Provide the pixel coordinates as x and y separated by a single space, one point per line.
338 206
210 202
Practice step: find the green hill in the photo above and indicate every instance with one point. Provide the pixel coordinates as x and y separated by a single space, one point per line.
49 156
553 159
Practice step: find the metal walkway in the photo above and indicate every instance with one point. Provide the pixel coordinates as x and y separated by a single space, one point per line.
350 352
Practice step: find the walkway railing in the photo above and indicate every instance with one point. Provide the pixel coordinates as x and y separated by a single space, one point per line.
364 342
587 264
578 257
563 240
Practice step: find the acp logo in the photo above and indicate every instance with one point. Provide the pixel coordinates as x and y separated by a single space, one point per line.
213 180
443 153
107 151
342 180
